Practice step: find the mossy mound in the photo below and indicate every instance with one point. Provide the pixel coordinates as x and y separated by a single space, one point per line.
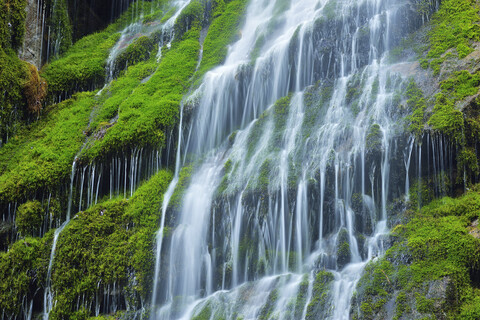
431 271
41 155
108 246
29 218
23 269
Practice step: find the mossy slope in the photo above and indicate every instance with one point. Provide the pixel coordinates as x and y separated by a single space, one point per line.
431 271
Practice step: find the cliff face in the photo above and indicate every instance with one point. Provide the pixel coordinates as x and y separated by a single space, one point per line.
432 267
94 135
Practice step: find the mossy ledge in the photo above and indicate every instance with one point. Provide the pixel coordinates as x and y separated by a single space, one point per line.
432 271
118 256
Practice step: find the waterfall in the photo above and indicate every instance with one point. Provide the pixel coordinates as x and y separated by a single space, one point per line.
136 29
48 294
294 140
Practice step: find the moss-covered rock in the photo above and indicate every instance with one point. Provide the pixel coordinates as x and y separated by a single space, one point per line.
30 216
13 74
319 305
12 25
23 271
119 255
343 249
430 270
138 51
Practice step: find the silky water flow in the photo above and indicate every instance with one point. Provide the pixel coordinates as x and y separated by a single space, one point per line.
294 140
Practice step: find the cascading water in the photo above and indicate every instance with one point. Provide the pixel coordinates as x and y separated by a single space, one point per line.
284 189
48 294
138 28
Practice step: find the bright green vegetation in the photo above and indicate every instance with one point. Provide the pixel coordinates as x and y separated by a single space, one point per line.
184 178
150 108
137 109
29 218
461 84
343 248
12 12
455 26
110 243
417 105
446 119
227 17
320 302
442 115
106 244
22 268
13 72
138 51
41 155
83 66
432 268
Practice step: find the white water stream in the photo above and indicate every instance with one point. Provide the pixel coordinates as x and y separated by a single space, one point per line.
278 189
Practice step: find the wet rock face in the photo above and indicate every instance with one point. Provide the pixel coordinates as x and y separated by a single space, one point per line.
32 46
6 232
379 297
91 15
85 17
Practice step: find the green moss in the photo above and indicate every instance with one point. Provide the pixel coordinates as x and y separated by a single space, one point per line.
471 309
461 84
83 66
22 269
319 303
446 119
455 25
41 155
122 246
423 304
190 18
343 248
433 249
417 105
421 192
401 302
29 218
269 307
222 31
12 25
138 51
184 179
467 164
13 75
147 110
